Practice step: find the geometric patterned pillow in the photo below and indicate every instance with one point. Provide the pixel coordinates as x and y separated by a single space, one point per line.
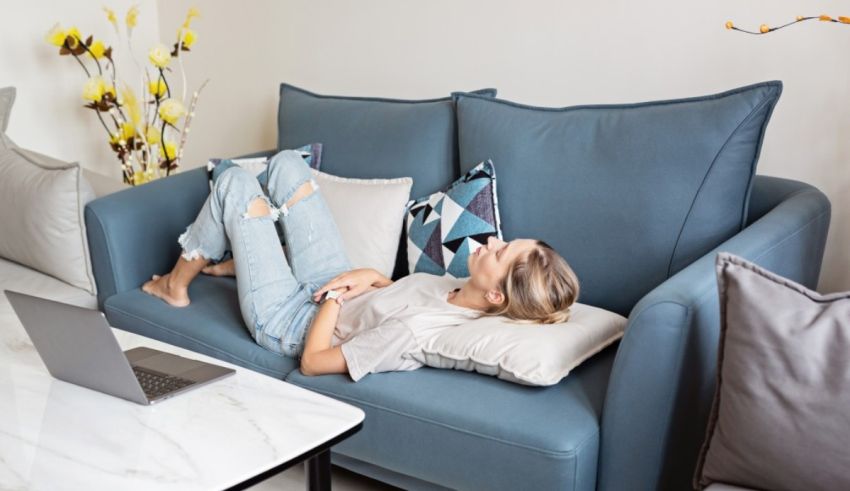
443 229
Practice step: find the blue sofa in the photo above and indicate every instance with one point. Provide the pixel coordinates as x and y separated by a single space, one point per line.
632 417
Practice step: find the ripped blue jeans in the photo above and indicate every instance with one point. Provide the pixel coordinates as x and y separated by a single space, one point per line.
275 288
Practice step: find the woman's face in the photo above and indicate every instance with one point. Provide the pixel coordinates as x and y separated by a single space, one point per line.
490 263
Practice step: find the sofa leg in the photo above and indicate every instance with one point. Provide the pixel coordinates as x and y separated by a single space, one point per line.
319 472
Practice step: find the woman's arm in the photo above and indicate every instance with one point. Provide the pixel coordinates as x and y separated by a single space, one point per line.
355 283
319 357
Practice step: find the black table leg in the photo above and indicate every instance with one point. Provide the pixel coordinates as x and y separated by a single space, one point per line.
319 472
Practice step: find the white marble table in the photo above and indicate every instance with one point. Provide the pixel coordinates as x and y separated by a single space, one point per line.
232 433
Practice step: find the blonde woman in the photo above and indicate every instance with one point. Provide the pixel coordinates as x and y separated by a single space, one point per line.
338 320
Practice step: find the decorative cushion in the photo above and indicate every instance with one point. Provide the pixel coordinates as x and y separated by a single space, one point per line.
369 137
369 214
311 153
527 354
41 210
443 229
779 419
628 194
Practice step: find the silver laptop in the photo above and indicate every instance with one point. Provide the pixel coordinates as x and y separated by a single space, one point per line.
78 346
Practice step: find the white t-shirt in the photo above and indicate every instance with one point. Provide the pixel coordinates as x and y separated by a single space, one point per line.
380 330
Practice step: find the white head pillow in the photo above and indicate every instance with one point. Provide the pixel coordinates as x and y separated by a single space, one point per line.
529 354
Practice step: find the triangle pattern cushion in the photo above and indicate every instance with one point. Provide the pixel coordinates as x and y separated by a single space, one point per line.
463 217
629 194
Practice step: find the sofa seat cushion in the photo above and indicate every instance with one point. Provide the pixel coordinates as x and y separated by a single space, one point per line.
211 324
439 425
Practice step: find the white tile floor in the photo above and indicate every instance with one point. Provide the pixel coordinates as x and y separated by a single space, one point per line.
294 479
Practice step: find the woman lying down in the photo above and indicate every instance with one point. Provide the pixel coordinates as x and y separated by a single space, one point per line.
339 320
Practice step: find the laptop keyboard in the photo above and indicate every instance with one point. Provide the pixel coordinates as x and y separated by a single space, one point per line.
155 384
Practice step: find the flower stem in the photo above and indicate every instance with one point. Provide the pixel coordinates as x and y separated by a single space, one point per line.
97 111
99 69
81 64
162 77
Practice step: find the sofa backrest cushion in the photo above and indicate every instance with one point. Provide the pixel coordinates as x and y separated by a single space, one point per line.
369 138
628 194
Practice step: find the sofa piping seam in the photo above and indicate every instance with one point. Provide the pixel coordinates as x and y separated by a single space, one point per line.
664 102
720 151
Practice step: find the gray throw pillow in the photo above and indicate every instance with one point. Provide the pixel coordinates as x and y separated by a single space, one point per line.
780 418
41 210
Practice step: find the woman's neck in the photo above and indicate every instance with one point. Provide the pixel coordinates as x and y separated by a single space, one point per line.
468 297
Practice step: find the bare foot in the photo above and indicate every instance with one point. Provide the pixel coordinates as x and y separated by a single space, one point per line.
160 286
227 268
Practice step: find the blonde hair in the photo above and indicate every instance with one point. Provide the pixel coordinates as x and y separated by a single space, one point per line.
539 288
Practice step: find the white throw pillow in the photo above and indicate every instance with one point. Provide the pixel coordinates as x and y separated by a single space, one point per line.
41 210
369 214
529 354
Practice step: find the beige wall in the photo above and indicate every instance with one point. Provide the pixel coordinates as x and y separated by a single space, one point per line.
48 116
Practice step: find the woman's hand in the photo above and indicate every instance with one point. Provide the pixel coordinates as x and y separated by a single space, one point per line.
354 283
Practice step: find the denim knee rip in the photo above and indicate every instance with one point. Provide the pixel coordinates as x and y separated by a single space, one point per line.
285 209
273 212
192 253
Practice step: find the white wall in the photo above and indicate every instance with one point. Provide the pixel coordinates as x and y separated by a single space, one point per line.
48 115
547 52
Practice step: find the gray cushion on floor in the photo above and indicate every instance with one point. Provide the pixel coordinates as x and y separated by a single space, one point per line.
436 425
211 324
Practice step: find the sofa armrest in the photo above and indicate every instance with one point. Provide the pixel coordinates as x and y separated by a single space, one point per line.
133 233
662 382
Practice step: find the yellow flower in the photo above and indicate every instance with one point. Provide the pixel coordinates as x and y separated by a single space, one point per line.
94 89
152 135
729 24
141 177
157 88
844 20
75 35
159 56
191 14
97 49
56 35
764 28
825 18
799 18
110 16
132 17
171 110
170 148
131 104
187 35
127 130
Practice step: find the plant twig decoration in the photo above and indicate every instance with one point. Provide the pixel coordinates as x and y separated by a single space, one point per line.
138 130
764 28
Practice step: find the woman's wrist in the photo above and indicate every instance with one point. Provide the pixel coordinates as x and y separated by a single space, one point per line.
381 280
